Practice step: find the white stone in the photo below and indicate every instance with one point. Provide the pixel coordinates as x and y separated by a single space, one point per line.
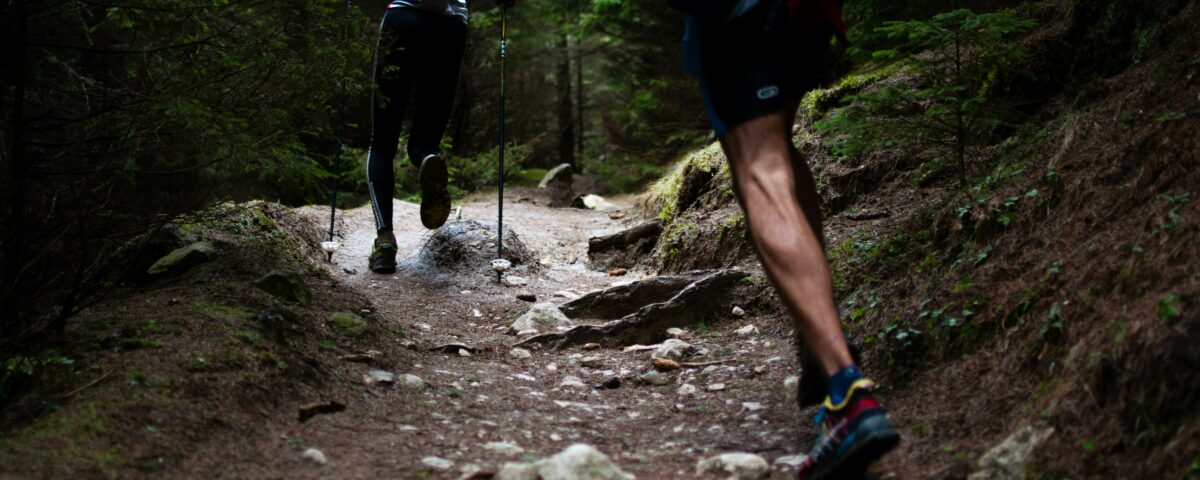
572 382
738 465
476 313
676 332
437 463
790 385
654 377
504 448
542 314
379 376
462 352
527 378
687 389
715 387
515 281
1007 460
753 406
425 327
569 295
413 382
791 461
577 462
747 330
519 353
673 349
591 362
738 312
315 456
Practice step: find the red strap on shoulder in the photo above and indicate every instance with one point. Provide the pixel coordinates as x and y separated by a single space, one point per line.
818 12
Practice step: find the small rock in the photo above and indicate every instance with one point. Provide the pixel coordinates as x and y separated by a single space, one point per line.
739 465
760 369
610 383
379 376
347 324
686 390
752 406
573 382
413 382
791 461
738 312
476 313
315 456
675 332
617 272
1007 460
578 462
527 297
515 281
747 330
655 378
616 215
566 294
368 357
519 353
527 378
285 285
542 314
591 346
673 349
591 362
504 448
462 352
715 387
593 202
790 388
437 463
182 259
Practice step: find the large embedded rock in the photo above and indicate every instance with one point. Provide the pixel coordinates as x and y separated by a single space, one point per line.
625 248
348 324
539 317
468 246
1007 460
285 285
182 259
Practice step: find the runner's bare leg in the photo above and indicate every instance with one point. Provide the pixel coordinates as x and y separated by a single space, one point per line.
781 208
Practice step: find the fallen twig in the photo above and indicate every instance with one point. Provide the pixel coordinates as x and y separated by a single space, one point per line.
89 385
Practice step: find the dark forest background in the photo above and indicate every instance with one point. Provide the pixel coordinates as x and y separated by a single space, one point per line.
121 115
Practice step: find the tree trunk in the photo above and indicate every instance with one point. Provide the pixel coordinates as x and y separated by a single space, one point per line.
15 184
566 124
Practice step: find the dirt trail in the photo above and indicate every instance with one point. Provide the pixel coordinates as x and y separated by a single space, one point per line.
490 396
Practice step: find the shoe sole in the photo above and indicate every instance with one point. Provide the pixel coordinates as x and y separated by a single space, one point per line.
381 267
880 440
435 196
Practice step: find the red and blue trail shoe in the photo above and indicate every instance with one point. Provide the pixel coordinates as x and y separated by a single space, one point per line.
854 433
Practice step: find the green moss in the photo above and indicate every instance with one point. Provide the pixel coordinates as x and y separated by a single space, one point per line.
348 324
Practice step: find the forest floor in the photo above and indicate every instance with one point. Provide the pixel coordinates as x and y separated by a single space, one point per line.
180 377
490 396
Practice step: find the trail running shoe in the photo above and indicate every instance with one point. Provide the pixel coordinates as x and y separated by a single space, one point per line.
383 254
853 434
435 195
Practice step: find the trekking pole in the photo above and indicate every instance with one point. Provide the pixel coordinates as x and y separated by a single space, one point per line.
500 264
329 245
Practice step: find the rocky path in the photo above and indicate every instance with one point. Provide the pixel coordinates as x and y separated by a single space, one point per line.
481 405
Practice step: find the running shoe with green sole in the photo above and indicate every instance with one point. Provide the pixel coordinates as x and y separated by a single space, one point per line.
383 254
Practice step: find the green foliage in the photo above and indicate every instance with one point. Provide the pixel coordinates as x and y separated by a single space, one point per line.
943 102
